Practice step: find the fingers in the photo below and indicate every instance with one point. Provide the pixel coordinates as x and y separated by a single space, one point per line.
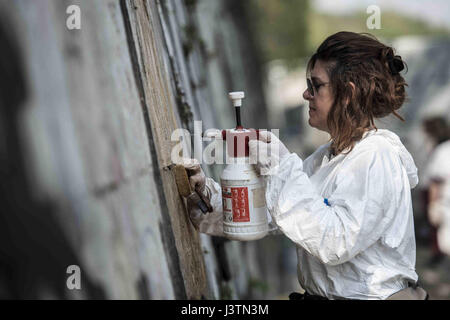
254 147
265 136
192 166
197 182
266 156
275 144
268 136
196 176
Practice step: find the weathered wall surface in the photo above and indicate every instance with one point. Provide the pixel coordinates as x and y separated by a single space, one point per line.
94 124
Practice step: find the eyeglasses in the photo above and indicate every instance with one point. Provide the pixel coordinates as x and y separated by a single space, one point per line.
312 87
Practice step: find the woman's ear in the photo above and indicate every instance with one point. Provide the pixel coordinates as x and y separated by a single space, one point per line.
352 88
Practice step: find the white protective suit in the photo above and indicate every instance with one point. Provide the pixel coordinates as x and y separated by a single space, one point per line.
350 217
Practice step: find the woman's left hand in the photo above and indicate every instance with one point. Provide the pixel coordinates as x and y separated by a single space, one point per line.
266 152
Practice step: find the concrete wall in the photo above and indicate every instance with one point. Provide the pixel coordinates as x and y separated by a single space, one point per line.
89 135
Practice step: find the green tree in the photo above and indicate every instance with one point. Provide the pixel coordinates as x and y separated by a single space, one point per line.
281 28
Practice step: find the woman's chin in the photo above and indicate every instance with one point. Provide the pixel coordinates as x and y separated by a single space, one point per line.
316 126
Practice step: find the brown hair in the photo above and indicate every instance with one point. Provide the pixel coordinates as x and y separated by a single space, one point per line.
437 128
379 88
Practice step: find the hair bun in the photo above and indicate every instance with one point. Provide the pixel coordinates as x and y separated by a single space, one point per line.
395 64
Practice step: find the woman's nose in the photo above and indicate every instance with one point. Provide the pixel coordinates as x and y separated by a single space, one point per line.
307 95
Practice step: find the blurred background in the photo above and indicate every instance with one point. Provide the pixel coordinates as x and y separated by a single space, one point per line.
91 92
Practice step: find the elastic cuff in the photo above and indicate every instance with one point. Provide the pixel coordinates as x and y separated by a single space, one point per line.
207 192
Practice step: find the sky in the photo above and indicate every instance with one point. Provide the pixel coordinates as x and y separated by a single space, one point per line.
436 12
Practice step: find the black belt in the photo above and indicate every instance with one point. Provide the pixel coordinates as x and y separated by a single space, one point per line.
305 296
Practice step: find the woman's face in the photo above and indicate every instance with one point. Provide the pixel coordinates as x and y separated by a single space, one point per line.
321 103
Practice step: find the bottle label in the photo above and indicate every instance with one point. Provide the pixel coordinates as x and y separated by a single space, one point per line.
240 204
236 201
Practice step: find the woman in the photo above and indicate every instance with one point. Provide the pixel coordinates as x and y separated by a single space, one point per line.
347 207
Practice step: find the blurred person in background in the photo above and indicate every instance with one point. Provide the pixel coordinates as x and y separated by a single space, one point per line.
437 180
347 207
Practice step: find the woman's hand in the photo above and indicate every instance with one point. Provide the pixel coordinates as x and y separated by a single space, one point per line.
267 152
200 197
197 178
209 222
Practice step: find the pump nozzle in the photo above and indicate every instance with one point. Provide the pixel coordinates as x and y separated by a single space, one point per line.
237 97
